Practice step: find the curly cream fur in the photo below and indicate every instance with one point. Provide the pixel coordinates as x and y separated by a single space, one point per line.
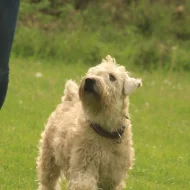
70 146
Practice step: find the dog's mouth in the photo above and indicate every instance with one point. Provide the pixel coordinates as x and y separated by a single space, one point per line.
89 85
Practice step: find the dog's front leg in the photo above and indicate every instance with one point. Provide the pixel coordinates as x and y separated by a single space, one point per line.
83 172
82 181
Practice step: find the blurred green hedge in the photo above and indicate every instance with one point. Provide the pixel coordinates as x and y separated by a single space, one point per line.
148 34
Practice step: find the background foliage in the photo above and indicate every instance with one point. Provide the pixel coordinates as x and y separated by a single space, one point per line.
149 34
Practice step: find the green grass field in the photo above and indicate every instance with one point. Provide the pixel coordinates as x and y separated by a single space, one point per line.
160 114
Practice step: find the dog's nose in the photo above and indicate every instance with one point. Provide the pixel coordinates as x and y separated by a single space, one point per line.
90 81
89 84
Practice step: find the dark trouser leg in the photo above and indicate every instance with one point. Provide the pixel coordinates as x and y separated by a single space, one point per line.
8 17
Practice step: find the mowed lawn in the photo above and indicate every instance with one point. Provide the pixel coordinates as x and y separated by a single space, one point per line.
160 114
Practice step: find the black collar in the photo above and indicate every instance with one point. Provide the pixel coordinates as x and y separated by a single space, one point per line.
111 135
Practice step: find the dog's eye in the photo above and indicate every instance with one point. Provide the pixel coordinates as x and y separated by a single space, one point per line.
112 78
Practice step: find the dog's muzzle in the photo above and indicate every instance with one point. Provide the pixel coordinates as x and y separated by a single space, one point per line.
89 84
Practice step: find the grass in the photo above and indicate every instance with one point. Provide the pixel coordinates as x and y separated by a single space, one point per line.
159 111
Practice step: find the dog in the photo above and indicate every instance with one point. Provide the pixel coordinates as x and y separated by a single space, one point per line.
88 137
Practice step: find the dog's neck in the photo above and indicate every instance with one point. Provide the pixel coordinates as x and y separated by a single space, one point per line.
110 119
111 123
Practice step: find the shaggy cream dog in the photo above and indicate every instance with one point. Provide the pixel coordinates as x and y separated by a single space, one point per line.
88 137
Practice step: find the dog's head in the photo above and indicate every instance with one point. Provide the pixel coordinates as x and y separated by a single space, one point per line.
106 85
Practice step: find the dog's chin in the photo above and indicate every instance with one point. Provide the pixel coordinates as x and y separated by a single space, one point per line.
90 95
91 101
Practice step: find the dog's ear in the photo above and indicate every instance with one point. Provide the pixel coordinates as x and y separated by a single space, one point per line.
130 84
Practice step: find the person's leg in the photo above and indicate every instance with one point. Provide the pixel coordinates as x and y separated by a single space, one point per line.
8 17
